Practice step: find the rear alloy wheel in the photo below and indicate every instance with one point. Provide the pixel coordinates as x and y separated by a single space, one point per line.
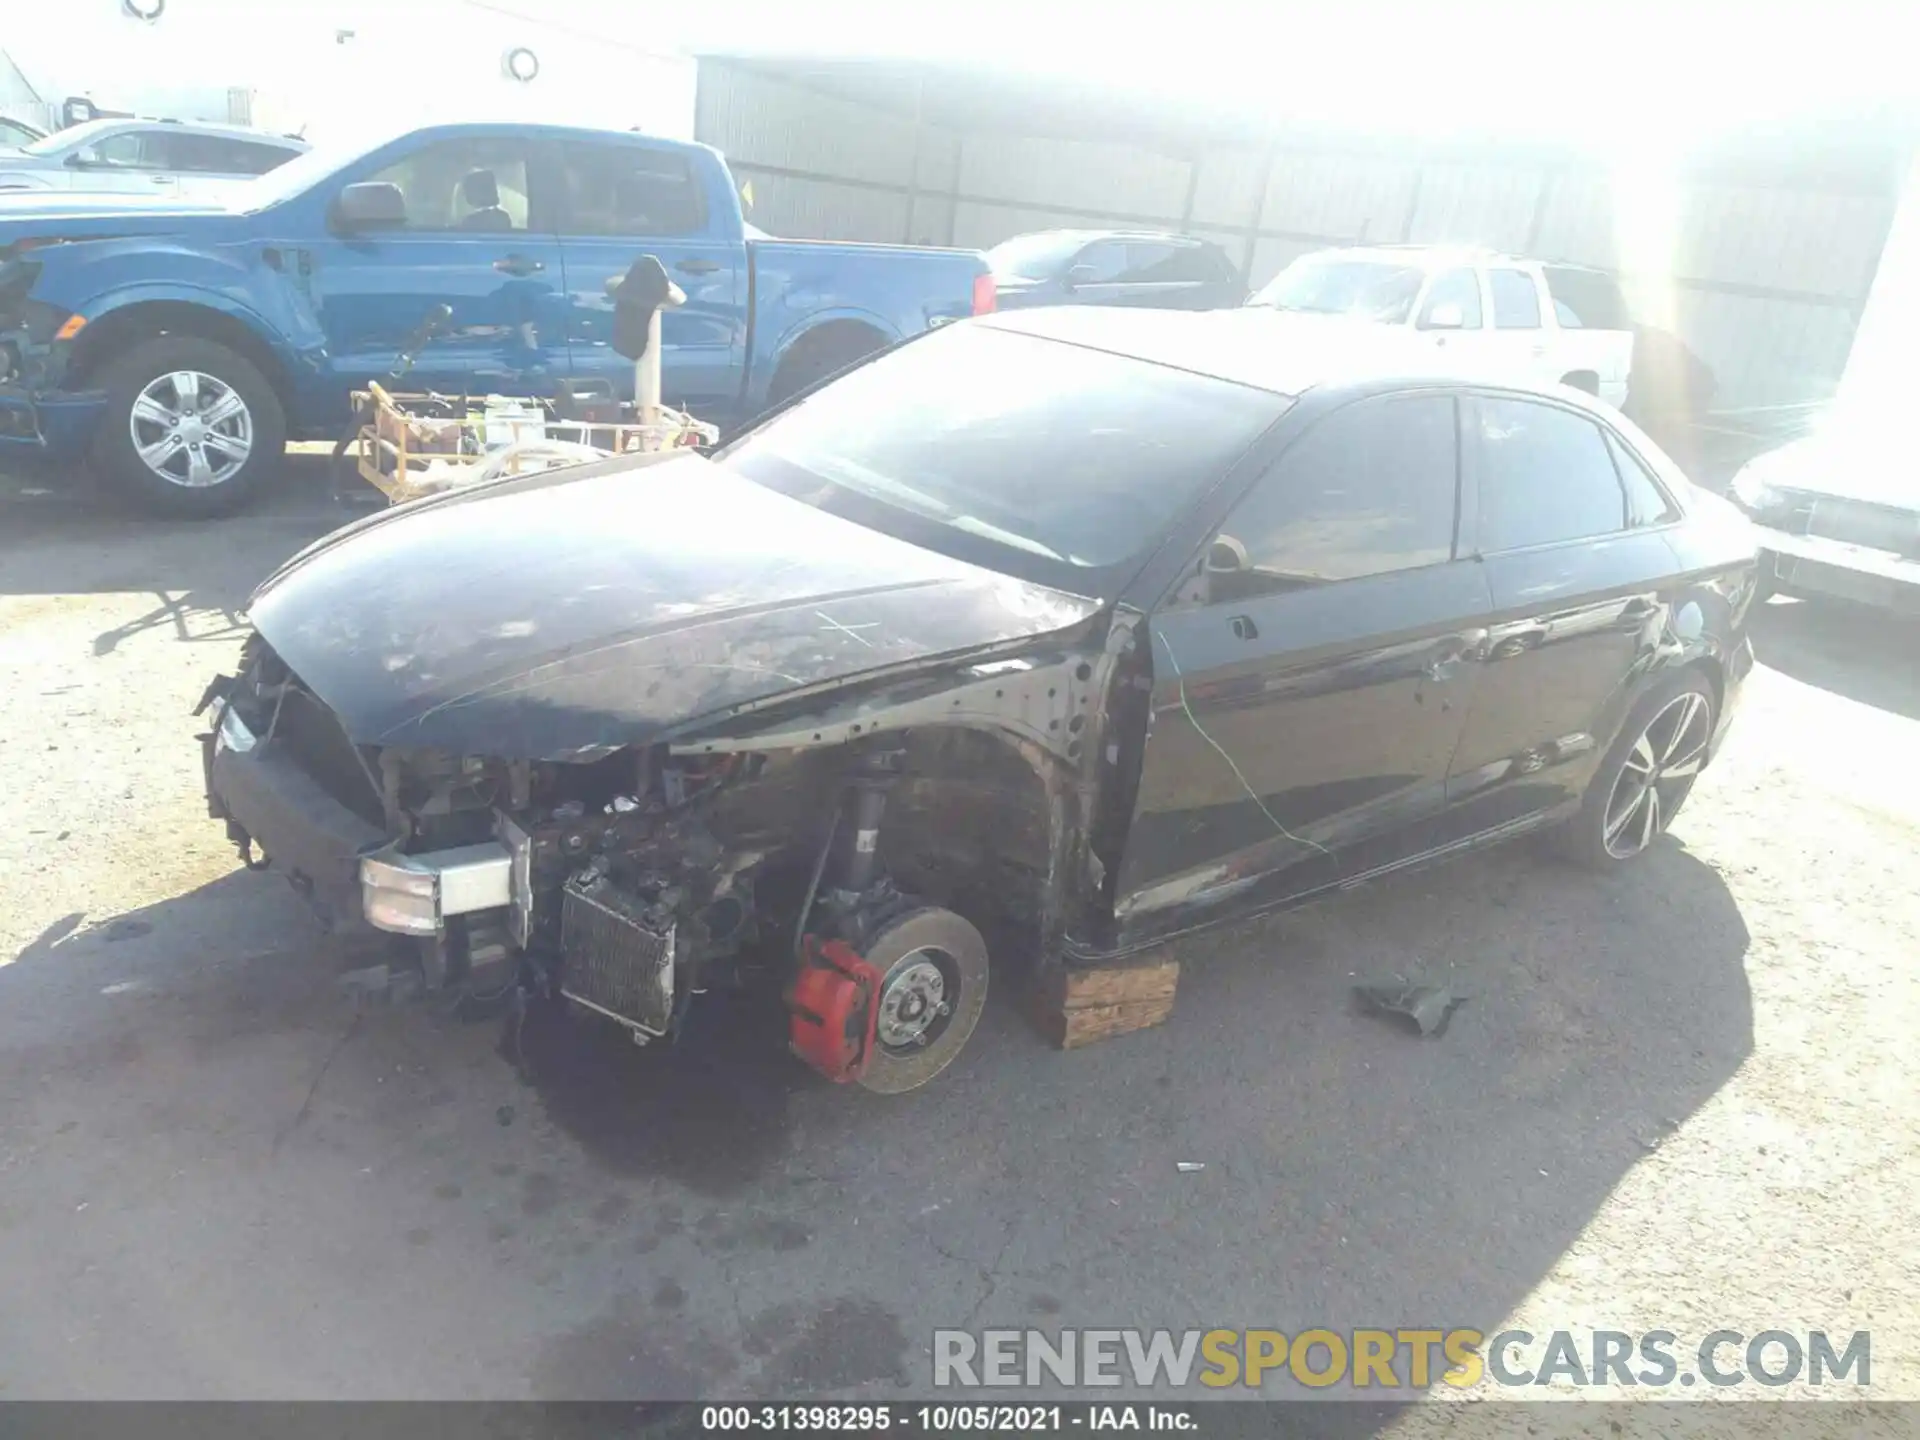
191 426
933 986
1647 776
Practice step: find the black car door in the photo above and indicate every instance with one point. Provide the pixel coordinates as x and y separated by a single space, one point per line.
1311 673
1568 526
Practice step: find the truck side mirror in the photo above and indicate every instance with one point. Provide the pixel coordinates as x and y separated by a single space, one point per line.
1447 316
370 205
1081 275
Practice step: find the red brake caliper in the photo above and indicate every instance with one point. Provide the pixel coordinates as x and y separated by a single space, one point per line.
835 1005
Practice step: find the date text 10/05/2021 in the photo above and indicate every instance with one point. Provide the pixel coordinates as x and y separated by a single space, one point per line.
948 1419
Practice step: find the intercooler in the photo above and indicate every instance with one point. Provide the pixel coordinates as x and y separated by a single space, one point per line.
615 957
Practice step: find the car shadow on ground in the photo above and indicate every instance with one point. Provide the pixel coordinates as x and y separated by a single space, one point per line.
713 1220
65 537
1856 651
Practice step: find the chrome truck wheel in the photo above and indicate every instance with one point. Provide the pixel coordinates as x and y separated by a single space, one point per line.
191 427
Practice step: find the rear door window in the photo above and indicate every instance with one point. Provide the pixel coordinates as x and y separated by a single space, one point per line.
1106 262
1545 475
248 157
1516 303
1153 261
632 190
197 154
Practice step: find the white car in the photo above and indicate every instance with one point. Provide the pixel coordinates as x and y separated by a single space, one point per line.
1543 321
156 157
15 133
1837 512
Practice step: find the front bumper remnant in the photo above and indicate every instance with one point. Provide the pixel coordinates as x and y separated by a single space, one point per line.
1814 564
60 425
345 867
414 894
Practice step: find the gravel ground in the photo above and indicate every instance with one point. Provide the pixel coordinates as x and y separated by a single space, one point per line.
1681 1098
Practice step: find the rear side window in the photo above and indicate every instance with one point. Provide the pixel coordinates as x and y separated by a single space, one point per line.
1516 304
245 157
632 190
1459 289
1215 267
1545 475
1369 490
1150 261
198 154
1105 262
1647 503
1586 299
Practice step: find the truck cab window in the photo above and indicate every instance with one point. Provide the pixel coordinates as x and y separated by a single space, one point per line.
470 185
631 190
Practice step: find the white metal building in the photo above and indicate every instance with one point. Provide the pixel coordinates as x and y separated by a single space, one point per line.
1760 256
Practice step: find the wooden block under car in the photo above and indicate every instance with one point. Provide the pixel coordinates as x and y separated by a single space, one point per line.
1080 1005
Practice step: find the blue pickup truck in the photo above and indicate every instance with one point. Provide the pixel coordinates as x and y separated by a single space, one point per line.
179 347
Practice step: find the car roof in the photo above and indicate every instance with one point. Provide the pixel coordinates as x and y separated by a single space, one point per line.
1070 233
117 126
1287 355
1428 257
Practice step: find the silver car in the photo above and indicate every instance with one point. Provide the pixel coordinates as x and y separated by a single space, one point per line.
158 157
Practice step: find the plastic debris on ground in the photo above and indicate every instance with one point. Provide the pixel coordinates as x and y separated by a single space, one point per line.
1427 1007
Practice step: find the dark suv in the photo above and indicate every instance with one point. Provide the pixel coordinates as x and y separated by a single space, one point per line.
1146 268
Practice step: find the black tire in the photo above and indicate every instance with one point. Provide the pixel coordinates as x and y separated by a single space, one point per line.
149 364
817 357
1585 838
952 946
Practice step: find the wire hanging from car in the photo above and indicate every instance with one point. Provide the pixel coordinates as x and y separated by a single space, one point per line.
1220 750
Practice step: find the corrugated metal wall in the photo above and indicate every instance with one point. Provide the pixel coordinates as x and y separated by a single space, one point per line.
1764 283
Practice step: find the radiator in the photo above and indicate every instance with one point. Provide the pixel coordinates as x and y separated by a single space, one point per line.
613 959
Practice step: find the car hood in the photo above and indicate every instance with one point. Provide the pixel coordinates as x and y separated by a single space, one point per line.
560 615
104 214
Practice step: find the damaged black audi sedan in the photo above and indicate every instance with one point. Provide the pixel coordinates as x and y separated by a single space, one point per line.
1083 627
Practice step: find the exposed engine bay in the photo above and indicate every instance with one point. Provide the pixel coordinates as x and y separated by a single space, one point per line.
833 849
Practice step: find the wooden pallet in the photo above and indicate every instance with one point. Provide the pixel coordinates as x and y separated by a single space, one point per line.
1077 1006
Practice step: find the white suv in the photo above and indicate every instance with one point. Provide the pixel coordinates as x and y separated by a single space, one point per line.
1545 321
150 157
